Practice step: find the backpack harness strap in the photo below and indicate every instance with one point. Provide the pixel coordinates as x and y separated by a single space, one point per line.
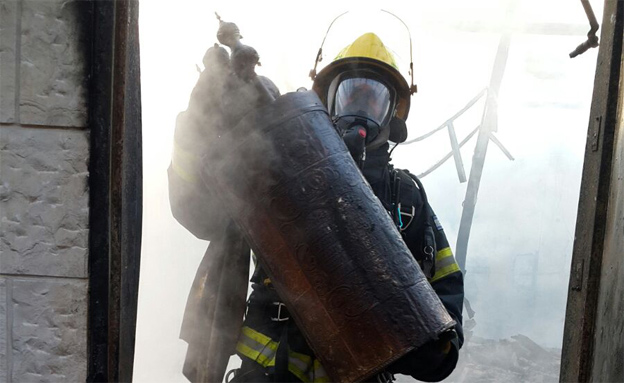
404 211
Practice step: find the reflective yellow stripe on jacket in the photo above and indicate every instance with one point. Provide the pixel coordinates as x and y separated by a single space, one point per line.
257 346
262 349
183 163
444 264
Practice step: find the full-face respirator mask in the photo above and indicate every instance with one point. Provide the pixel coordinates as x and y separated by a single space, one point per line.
362 109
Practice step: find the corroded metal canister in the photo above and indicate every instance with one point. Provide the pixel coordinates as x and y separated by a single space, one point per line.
330 248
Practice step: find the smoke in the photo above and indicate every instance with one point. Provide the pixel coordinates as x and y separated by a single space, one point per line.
217 153
521 243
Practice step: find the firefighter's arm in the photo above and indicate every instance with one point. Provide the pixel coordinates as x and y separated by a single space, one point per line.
193 205
437 359
217 102
448 280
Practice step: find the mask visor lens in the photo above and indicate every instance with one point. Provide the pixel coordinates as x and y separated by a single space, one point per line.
363 97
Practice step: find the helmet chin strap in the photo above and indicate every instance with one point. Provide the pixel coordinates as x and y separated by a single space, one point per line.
382 138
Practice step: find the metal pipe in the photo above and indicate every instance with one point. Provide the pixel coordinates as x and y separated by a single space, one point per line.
592 39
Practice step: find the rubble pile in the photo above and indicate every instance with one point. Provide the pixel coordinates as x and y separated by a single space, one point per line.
514 360
517 359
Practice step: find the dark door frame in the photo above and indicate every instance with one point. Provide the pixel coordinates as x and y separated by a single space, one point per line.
115 182
585 274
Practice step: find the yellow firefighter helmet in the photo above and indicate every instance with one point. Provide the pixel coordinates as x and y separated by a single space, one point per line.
365 64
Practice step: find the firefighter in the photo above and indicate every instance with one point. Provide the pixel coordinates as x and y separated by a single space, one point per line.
368 100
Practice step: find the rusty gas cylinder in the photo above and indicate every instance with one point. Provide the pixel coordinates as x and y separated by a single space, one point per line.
330 248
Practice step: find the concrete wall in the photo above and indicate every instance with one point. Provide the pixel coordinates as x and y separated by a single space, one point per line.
44 153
